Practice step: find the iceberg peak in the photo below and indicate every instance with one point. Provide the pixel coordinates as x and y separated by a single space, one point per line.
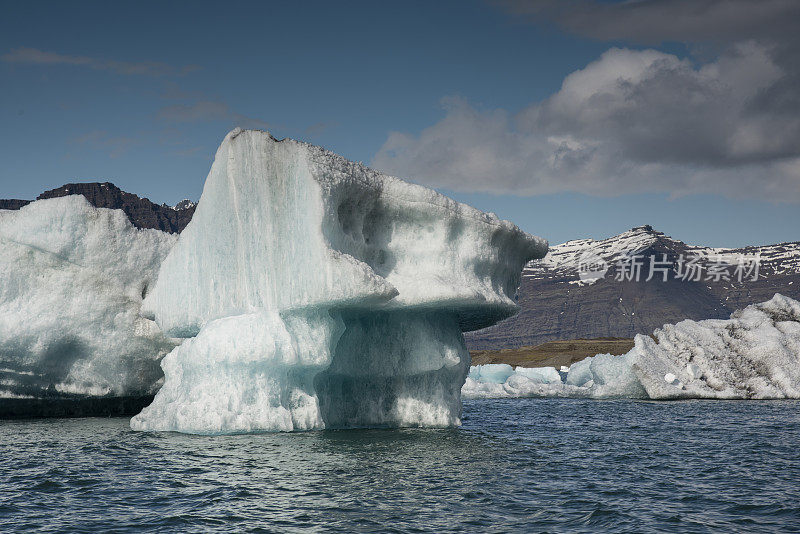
321 293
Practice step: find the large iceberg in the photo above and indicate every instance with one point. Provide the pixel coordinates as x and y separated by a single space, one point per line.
73 278
753 355
319 293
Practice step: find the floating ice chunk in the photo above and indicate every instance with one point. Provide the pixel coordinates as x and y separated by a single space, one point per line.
541 375
73 277
579 373
602 370
605 375
501 373
754 354
523 382
364 282
494 373
474 389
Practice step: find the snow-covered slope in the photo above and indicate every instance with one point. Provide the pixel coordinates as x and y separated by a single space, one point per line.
184 204
568 259
753 355
324 294
73 277
782 259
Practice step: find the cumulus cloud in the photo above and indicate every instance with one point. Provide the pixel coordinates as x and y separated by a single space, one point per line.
635 120
631 121
34 56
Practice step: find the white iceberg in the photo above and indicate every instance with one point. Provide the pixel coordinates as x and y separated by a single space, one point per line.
320 293
73 277
491 373
753 355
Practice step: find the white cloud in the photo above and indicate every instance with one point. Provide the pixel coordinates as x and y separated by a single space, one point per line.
116 146
34 56
208 110
631 121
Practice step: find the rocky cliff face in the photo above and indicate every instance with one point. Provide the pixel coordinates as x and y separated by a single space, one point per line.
568 295
141 212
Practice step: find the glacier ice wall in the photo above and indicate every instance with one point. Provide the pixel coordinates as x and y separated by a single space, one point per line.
753 355
73 282
320 293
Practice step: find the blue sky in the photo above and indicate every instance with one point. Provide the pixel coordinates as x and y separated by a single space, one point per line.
570 129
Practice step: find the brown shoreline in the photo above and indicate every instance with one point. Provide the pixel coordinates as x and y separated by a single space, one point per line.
553 353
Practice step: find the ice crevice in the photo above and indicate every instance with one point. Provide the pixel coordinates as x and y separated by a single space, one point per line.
314 292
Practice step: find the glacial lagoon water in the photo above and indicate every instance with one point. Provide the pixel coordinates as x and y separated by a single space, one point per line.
517 465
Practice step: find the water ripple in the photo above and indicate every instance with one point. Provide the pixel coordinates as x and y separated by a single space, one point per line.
516 465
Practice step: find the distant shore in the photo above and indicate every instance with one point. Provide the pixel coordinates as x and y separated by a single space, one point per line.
553 353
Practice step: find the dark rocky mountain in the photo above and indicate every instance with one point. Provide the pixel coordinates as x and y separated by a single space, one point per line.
568 295
141 212
12 203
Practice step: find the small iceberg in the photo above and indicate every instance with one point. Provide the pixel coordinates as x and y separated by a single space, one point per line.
753 355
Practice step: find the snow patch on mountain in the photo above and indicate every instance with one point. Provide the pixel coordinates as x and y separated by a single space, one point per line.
184 204
571 259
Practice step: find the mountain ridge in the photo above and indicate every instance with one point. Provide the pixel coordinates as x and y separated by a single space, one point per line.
561 296
140 210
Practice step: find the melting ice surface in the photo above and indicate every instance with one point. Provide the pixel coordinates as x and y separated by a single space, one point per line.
753 355
73 277
316 293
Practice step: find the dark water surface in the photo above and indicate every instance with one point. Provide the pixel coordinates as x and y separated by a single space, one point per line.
516 465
